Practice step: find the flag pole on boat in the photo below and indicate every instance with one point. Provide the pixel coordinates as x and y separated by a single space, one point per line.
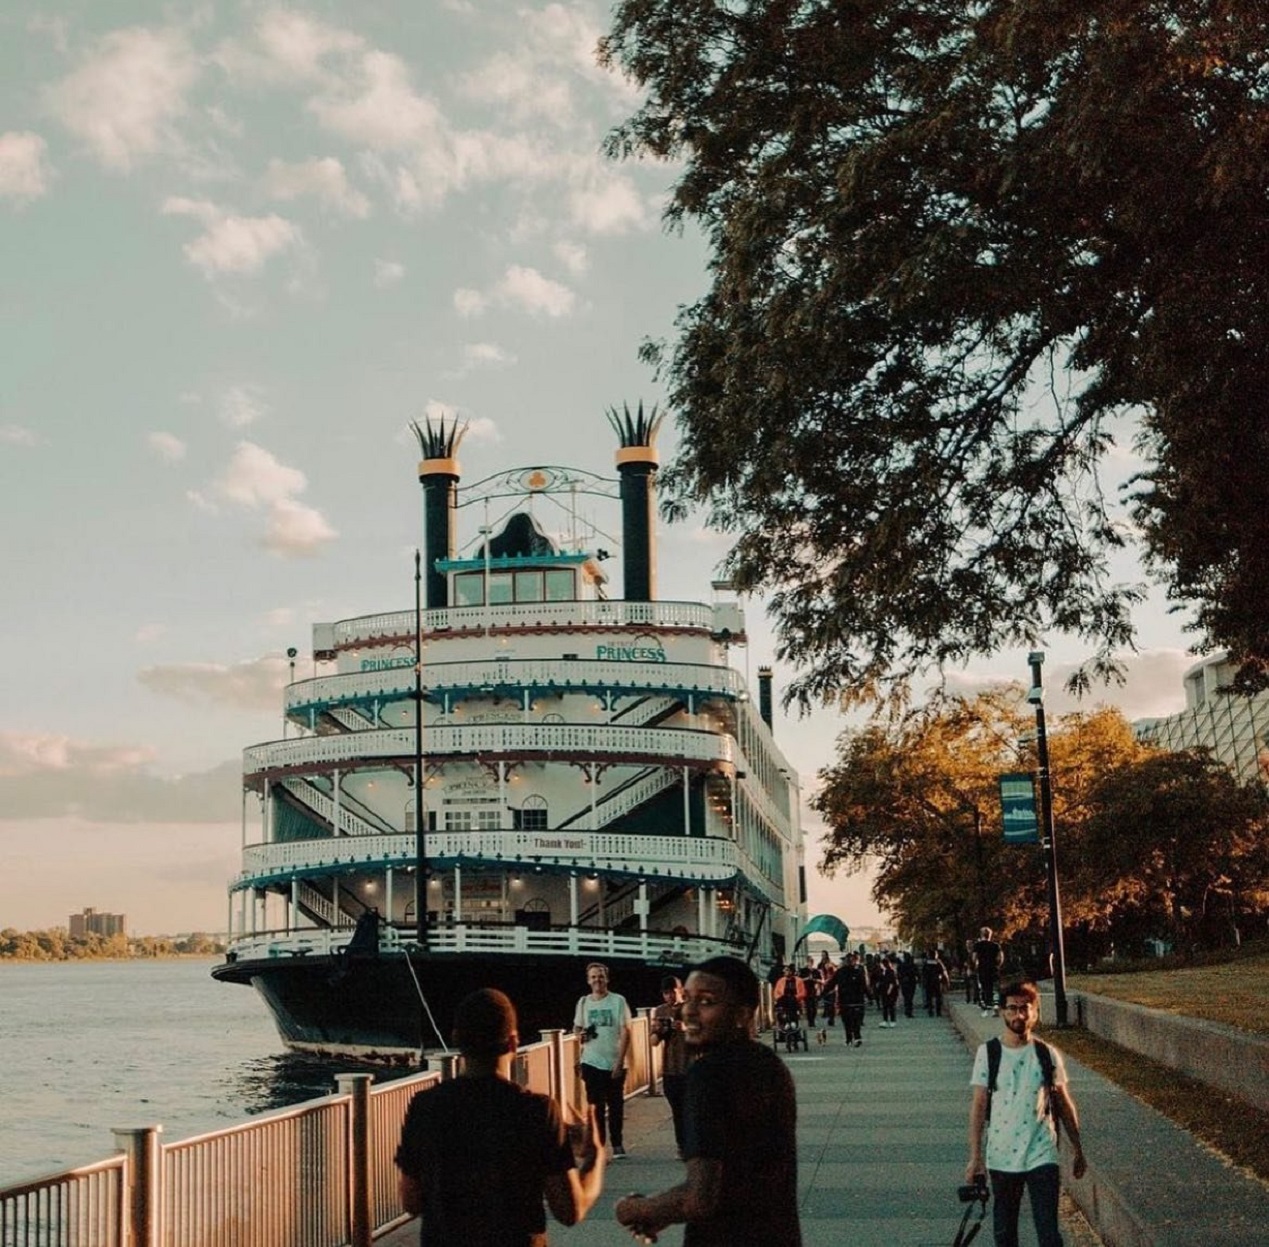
420 840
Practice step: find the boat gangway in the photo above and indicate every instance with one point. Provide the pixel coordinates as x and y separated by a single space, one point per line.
319 1174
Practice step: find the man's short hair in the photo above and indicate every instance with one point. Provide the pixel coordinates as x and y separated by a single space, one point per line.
485 1023
1023 989
986 933
596 965
742 982
670 983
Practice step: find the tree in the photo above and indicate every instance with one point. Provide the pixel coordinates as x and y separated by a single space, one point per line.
959 252
917 800
1174 840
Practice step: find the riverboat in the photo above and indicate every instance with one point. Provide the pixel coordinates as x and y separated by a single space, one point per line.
520 775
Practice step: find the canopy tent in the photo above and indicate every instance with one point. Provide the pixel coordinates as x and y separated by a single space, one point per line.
824 924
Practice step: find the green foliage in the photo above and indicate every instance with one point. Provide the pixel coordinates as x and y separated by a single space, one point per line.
960 251
56 945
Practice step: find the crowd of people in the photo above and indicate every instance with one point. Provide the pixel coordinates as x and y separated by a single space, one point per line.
481 1159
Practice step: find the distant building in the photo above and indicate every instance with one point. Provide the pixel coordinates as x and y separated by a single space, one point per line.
1233 726
90 922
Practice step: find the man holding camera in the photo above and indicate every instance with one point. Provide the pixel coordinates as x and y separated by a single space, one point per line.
1021 1109
602 1022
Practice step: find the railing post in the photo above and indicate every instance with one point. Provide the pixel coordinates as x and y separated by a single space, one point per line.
646 1014
357 1088
449 1066
143 1197
554 1036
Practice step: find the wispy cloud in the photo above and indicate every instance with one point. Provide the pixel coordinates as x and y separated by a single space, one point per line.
127 93
324 179
387 273
242 405
252 685
521 289
231 243
17 435
167 446
25 173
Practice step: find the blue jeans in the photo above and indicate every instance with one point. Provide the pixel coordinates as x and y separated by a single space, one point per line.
1042 1186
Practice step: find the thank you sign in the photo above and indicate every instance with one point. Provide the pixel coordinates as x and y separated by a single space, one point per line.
1017 801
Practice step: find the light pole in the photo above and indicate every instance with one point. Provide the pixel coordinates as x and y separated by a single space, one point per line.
290 653
420 838
1036 697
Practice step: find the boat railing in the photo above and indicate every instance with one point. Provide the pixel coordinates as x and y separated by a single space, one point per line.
650 946
394 683
686 746
704 857
320 1174
582 614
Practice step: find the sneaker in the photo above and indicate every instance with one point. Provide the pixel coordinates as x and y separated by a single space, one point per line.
859 1043
618 1153
986 1013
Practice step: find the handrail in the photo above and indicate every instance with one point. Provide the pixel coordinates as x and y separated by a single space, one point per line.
703 857
397 683
585 614
318 1174
370 748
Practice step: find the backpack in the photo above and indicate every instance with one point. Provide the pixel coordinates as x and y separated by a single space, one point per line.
1046 1069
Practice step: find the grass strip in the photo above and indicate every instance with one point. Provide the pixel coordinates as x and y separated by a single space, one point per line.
1231 1127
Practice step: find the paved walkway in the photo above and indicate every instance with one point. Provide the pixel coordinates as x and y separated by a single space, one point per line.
881 1146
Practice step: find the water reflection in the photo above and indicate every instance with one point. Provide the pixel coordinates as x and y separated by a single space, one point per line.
283 1079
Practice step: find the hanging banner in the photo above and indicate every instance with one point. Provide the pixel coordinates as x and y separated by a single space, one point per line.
1017 803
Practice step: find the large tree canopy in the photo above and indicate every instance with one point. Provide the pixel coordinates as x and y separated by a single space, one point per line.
959 251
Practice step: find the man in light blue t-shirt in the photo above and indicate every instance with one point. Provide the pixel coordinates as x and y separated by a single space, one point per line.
602 1022
1021 1116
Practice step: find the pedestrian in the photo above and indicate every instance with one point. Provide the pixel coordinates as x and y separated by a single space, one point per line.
828 998
907 973
478 1154
810 977
936 979
1023 1115
739 1124
886 987
602 1022
667 1034
853 990
988 958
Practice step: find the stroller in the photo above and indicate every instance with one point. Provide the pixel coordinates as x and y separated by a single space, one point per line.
788 1026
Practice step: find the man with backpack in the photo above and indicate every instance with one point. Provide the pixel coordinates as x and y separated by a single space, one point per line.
1021 1102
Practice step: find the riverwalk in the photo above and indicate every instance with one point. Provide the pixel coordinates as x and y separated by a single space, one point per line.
881 1146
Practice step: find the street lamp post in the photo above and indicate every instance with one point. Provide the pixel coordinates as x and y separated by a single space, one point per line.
420 837
1036 697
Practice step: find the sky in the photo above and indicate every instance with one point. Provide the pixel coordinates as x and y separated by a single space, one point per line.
245 244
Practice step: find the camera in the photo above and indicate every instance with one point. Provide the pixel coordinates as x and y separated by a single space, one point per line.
591 1032
967 1194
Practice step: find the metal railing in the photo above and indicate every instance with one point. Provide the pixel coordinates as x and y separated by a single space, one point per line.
321 1174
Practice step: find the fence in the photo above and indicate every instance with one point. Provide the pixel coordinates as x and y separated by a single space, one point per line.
320 1174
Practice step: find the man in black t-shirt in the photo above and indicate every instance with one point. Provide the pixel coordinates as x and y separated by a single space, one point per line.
478 1154
988 958
739 1125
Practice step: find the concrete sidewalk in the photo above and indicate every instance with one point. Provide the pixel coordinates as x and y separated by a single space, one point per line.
881 1146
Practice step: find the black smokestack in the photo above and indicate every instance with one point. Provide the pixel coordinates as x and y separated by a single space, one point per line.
439 472
637 463
764 696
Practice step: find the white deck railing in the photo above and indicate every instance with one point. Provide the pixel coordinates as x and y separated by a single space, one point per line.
704 857
397 683
318 1175
529 615
674 745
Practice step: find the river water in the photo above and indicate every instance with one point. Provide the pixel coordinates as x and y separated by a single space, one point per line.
87 1046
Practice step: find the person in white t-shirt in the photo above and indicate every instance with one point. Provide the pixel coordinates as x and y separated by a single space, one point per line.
1021 1119
602 1022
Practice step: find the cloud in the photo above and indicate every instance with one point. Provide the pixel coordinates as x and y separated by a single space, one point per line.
242 405
24 173
127 93
231 243
253 685
519 289
167 446
613 206
387 273
255 480
1152 686
43 775
486 355
513 80
483 429
279 617
573 256
149 632
324 179
17 435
